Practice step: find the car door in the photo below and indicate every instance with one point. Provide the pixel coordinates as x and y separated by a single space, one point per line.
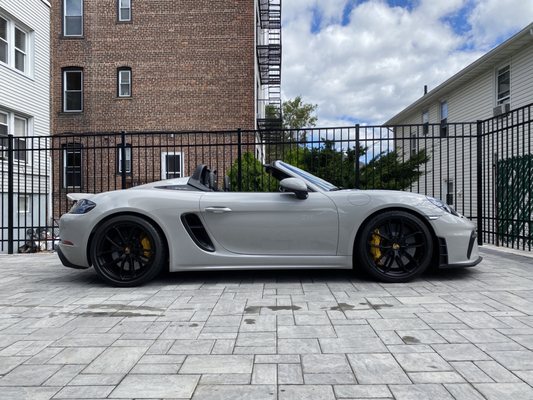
272 223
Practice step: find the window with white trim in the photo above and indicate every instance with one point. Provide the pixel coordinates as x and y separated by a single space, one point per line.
425 122
72 165
14 45
414 143
444 118
127 159
73 90
73 18
124 10
171 165
503 88
124 82
23 204
15 125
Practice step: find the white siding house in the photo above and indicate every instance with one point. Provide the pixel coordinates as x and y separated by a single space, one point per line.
24 112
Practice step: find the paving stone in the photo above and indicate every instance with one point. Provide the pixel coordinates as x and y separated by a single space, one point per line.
329 379
422 362
471 372
8 363
362 391
420 392
497 372
505 391
351 345
290 374
234 364
377 369
306 332
514 360
460 352
265 374
64 375
29 375
307 392
436 377
84 392
235 392
463 391
29 393
298 346
191 347
96 379
277 359
256 339
116 360
156 386
74 355
325 364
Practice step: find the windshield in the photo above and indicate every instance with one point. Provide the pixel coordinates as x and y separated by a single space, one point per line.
321 183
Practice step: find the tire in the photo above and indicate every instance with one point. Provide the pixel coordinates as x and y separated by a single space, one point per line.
127 251
394 247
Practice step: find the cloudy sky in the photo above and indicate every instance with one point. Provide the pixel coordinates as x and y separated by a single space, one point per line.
362 61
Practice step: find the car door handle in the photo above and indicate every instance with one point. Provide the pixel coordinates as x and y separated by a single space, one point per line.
218 210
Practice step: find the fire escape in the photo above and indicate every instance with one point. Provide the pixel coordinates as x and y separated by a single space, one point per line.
269 62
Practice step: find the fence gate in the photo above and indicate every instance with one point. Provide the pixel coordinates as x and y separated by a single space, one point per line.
514 201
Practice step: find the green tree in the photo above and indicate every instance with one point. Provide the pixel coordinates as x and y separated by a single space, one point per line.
254 177
297 114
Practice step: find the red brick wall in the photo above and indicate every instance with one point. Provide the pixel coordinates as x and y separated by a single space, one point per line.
192 66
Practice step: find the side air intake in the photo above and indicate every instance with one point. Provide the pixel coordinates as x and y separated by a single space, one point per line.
196 230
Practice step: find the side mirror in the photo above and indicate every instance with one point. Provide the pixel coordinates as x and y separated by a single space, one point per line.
295 185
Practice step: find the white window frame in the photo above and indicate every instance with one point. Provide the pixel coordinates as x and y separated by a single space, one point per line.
120 82
65 91
12 50
425 122
164 170
73 148
499 72
414 144
65 19
444 118
10 129
124 5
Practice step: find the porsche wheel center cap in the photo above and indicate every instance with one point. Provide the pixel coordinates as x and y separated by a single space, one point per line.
127 250
396 246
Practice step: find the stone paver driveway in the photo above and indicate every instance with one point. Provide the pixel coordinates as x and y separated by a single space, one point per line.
287 335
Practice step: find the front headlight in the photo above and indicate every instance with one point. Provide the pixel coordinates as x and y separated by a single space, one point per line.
82 206
442 205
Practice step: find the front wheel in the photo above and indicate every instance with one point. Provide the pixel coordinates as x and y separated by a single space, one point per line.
127 251
394 247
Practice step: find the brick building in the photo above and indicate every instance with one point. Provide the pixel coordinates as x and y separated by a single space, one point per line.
153 66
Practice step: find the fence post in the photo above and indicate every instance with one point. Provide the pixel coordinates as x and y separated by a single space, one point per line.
10 193
123 158
239 160
479 156
357 156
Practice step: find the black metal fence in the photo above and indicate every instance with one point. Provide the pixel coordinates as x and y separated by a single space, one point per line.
483 168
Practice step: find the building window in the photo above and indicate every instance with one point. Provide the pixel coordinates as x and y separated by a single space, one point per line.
504 85
20 50
14 45
128 159
124 82
72 165
414 143
444 119
73 90
425 122
73 18
19 131
23 204
171 165
3 41
124 10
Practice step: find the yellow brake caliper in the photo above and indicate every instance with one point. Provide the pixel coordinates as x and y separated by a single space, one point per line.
375 241
146 245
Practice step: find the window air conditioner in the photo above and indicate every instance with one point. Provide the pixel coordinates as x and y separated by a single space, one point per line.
501 109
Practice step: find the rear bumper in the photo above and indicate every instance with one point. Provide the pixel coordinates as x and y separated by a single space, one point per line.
65 261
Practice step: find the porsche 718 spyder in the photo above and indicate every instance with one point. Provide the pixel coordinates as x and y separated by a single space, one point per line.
185 224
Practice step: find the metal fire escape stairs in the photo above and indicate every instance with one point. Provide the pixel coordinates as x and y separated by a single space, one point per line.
269 63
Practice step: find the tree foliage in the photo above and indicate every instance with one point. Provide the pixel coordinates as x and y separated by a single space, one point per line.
297 114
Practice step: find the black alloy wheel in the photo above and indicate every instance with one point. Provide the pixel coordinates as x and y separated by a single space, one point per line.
127 251
395 246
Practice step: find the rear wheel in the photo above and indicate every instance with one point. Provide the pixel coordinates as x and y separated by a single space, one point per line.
395 247
127 251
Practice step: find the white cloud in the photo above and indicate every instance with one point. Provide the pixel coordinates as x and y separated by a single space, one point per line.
379 62
495 19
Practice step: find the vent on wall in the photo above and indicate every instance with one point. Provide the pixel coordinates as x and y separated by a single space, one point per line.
501 109
198 233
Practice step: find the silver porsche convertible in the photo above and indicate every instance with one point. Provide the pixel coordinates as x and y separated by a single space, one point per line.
185 224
